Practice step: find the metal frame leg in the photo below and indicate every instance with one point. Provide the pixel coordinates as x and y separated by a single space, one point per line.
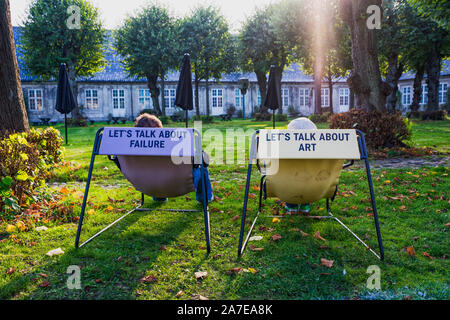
206 211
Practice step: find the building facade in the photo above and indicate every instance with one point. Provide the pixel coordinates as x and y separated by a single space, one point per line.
111 93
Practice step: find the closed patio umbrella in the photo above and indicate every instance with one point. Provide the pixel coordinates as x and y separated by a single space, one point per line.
184 98
273 98
65 100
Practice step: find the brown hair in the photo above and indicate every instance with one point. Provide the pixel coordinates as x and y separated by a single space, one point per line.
148 120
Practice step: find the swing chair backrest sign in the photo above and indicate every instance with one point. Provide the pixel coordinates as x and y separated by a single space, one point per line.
147 142
308 144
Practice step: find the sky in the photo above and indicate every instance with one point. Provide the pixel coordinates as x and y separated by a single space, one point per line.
113 12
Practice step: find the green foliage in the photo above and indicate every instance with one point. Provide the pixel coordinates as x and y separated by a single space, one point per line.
26 160
148 44
281 117
437 10
204 119
231 110
319 117
47 41
382 129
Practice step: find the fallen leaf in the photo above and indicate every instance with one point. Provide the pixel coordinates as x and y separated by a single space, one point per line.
234 271
253 248
199 297
55 252
179 294
256 238
304 234
43 275
10 271
235 218
318 236
217 256
326 263
427 255
10 228
410 250
201 275
148 279
45 284
276 237
276 220
98 281
42 228
91 212
253 270
64 191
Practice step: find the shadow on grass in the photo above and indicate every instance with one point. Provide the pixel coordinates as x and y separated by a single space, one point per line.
111 265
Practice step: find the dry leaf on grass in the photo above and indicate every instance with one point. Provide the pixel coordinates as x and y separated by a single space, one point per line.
45 284
10 271
253 270
55 252
427 255
253 248
148 279
276 237
304 234
318 236
276 220
234 271
199 297
201 275
327 263
179 294
410 250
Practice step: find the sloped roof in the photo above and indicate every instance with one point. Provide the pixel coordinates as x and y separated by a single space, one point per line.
115 71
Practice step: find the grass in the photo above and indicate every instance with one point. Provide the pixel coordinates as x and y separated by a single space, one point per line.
413 207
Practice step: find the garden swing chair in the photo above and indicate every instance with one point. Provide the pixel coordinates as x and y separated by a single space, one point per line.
304 166
157 162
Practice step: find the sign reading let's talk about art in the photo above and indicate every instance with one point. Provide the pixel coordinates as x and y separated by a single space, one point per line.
147 141
308 144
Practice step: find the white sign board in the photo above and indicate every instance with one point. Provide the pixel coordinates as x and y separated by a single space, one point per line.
308 144
147 142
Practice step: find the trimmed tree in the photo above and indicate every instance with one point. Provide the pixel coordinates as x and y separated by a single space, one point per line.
55 34
13 115
148 45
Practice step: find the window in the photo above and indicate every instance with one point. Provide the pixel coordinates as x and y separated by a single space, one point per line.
424 96
239 98
304 97
325 97
169 97
443 87
144 99
217 98
118 98
91 99
35 101
285 97
259 98
406 95
344 97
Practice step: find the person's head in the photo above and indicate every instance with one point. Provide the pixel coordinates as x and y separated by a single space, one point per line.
148 120
302 123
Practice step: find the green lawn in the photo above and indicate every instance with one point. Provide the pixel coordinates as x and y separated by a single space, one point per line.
413 208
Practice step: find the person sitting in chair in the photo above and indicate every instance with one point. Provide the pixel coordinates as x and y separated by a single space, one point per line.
305 124
151 121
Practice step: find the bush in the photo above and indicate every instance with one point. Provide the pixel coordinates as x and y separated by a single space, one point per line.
293 112
26 160
239 114
382 129
434 115
231 110
204 119
319 118
78 122
263 116
281 117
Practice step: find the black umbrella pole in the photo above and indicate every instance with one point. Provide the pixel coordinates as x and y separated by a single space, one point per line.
273 118
187 120
65 124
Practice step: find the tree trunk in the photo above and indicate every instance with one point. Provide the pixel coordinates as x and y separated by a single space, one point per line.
262 85
163 100
415 105
365 79
351 100
207 95
433 73
152 83
13 114
395 71
197 100
76 112
317 93
330 86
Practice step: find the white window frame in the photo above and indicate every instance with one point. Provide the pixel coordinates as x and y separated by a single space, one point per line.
303 95
344 97
424 95
443 88
35 101
169 97
144 99
92 100
258 98
325 97
217 98
285 97
238 98
118 96
406 95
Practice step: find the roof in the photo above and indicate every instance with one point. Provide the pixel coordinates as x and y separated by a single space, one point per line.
115 71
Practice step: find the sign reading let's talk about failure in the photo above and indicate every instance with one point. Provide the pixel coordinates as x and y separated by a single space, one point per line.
308 144
147 141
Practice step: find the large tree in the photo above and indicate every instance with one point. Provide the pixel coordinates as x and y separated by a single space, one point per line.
148 45
206 37
13 115
437 10
365 79
55 34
